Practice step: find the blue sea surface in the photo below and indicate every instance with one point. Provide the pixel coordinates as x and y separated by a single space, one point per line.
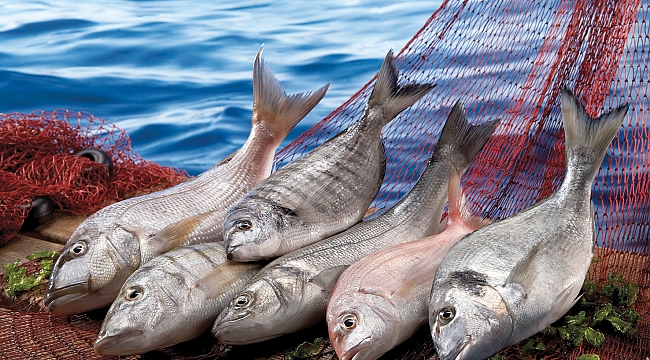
177 75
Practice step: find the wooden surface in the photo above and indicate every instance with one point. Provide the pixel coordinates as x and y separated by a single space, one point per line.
50 236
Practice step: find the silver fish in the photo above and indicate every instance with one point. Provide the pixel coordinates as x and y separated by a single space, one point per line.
325 191
509 280
172 298
291 292
383 299
112 243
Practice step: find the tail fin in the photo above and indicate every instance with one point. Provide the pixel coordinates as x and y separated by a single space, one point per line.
587 139
390 96
459 210
272 104
460 141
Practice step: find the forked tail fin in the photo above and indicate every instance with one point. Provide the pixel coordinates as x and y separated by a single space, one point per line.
587 139
460 141
391 97
459 211
272 105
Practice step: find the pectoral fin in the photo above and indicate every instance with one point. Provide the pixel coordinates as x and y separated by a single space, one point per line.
406 289
523 275
306 209
177 234
327 278
223 276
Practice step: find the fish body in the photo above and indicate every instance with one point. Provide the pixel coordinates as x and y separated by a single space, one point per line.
172 298
381 300
511 279
325 191
112 243
291 292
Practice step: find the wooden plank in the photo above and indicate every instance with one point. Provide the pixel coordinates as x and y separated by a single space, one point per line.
59 229
21 246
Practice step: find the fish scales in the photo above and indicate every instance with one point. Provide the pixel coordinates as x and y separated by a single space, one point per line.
171 299
112 243
524 272
339 172
291 292
326 190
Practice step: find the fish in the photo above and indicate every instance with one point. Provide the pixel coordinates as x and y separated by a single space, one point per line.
112 243
509 280
171 299
381 300
291 292
324 191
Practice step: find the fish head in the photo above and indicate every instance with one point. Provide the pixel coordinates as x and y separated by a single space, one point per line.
92 267
362 325
468 323
255 232
146 315
266 308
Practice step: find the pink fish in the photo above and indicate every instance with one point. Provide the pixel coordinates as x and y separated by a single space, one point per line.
382 300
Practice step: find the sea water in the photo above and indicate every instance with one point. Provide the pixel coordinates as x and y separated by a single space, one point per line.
177 75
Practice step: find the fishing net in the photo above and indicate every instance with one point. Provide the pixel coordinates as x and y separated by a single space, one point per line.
509 60
37 159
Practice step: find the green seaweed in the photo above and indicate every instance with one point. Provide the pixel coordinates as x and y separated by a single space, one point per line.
619 291
532 345
588 357
305 349
498 357
15 274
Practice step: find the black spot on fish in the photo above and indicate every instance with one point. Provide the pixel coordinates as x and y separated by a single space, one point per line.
469 280
283 210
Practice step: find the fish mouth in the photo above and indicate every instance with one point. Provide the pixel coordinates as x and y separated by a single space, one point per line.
229 332
120 344
229 252
356 349
457 351
55 297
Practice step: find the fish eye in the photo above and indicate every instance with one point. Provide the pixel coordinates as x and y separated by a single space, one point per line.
242 300
446 315
243 224
134 293
349 322
79 248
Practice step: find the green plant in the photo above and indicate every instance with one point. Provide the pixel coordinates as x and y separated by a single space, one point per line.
20 280
305 349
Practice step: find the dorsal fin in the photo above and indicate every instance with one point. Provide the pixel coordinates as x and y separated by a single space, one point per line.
459 210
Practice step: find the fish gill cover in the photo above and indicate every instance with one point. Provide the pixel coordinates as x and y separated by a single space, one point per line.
505 59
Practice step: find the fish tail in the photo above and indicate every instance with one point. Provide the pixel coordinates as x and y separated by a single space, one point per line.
391 97
459 210
587 139
272 105
460 141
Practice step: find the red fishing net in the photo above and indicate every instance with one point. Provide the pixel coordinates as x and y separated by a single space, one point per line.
37 159
509 59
